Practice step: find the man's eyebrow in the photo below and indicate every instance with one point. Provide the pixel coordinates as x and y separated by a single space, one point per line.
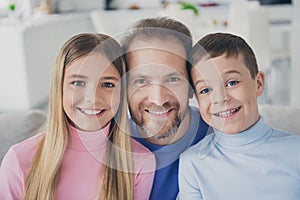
138 74
174 74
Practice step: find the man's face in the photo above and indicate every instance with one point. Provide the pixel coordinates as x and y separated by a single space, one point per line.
158 87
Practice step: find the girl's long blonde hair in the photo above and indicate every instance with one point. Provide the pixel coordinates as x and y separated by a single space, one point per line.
118 183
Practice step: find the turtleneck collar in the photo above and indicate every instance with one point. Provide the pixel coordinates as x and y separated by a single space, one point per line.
88 141
243 141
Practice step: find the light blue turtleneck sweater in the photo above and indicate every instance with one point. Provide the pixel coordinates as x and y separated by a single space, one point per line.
257 164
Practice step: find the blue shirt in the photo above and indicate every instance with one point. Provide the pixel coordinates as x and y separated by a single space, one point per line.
165 185
259 163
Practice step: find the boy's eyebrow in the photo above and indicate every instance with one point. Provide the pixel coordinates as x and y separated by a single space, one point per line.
227 72
232 71
200 81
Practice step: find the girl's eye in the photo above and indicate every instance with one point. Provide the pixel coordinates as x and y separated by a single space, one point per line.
205 91
78 83
231 83
108 85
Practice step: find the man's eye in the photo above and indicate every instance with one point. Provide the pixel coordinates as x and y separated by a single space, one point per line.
173 79
78 83
205 91
140 82
231 83
108 85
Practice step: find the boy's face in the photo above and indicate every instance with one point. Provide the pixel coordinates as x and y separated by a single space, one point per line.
226 93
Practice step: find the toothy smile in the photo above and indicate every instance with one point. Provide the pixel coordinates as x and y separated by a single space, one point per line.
227 113
90 111
156 112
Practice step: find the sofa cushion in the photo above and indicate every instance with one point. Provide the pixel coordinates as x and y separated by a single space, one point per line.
17 126
283 118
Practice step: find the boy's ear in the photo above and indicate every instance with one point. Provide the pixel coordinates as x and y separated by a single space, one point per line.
260 83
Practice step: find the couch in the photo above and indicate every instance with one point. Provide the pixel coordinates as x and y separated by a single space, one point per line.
15 127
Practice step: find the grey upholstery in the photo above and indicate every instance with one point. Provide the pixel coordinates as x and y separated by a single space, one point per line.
17 126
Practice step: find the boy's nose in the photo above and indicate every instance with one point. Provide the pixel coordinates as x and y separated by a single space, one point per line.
219 96
158 94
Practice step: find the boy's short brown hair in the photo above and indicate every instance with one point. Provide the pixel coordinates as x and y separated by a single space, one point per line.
217 44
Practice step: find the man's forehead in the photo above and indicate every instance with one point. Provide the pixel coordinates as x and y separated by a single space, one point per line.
153 69
139 46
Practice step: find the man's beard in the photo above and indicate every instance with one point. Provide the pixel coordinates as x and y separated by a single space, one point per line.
150 131
157 129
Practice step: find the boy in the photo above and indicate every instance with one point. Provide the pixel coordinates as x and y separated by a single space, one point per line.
243 158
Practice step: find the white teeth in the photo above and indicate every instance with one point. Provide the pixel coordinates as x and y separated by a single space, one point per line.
90 111
227 113
158 112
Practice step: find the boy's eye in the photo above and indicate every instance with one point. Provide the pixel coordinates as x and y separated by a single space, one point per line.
205 91
108 85
231 83
78 83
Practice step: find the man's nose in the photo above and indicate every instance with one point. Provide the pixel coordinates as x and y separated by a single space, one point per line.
158 94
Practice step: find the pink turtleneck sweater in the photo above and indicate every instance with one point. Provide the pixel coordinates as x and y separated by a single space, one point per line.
80 170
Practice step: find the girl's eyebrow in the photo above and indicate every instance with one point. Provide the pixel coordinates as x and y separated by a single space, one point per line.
77 76
109 78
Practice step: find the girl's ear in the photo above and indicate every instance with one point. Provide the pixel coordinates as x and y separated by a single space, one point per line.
260 83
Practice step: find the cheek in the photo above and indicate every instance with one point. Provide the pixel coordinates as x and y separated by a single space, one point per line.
114 99
68 97
204 105
135 97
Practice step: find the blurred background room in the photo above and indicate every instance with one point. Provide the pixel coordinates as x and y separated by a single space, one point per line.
32 31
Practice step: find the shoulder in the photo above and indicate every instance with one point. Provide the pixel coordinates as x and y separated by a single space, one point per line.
197 148
284 136
143 158
25 151
27 145
136 147
15 165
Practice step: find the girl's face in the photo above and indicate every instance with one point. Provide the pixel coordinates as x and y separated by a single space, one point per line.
91 91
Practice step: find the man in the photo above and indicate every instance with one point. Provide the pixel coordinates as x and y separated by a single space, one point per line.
156 51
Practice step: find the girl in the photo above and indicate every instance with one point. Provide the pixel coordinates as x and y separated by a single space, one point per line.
85 151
